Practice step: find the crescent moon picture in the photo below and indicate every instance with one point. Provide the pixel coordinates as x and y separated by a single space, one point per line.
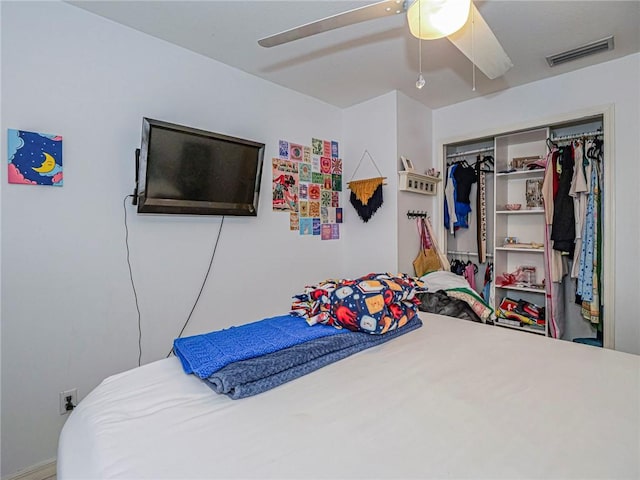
48 164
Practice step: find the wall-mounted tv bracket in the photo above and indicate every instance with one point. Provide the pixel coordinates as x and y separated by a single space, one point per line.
134 201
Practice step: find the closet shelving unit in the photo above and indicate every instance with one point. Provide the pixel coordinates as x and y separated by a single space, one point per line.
527 225
507 185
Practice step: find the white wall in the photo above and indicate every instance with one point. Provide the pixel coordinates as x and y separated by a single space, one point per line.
387 127
68 315
414 143
371 126
614 82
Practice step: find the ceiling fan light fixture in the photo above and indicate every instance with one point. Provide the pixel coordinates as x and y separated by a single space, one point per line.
433 19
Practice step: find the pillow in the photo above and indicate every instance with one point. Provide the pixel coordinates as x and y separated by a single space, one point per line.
375 303
443 280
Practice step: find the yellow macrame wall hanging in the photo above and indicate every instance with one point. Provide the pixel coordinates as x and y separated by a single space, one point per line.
366 194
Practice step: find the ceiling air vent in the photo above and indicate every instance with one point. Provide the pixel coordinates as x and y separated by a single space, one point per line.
579 52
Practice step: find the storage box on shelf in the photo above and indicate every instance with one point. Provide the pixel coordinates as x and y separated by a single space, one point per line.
417 182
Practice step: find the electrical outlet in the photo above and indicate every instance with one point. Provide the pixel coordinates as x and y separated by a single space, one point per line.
72 395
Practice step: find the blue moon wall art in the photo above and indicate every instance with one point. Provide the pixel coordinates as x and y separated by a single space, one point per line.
34 158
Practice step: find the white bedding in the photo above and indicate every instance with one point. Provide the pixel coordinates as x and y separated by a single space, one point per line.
451 399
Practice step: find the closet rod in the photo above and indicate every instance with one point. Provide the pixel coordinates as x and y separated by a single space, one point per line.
577 135
470 152
471 254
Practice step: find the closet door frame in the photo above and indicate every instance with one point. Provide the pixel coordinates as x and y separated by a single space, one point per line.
607 113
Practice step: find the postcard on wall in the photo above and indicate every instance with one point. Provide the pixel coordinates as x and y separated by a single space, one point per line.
334 149
294 221
335 231
331 212
336 182
317 178
295 152
314 191
306 226
286 166
303 191
305 172
314 209
338 215
316 226
325 164
34 158
315 163
326 231
327 182
335 199
285 185
336 165
326 148
325 199
283 149
324 214
306 154
316 146
304 209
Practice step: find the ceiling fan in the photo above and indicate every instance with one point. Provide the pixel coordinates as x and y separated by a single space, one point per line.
458 20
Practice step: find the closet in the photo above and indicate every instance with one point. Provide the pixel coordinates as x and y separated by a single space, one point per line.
528 212
469 238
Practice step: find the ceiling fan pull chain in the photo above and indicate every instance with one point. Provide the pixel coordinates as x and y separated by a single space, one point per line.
421 81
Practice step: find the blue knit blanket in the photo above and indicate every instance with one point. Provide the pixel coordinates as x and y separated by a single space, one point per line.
205 354
256 375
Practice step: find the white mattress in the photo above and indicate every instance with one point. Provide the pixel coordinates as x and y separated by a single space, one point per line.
452 399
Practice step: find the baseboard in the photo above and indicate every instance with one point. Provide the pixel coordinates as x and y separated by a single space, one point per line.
41 471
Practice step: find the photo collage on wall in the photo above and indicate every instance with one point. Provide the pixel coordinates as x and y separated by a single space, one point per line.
307 181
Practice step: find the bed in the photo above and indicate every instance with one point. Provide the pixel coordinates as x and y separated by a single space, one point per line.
452 399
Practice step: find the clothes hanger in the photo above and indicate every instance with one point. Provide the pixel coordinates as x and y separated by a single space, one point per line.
488 159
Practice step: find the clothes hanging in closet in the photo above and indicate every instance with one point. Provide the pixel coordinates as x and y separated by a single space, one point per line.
488 278
457 205
470 274
580 193
467 270
553 258
572 201
550 185
588 285
563 232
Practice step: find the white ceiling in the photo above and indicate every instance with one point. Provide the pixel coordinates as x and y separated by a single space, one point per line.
347 66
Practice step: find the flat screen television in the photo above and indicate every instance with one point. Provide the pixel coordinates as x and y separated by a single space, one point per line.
184 170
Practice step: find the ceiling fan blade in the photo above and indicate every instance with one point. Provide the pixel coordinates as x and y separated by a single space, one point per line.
350 17
485 49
